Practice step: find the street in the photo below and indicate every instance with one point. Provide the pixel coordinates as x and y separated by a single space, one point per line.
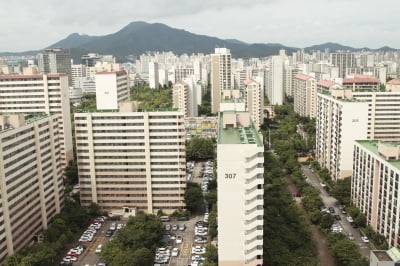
329 201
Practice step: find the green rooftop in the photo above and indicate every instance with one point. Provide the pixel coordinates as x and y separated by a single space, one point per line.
372 146
239 134
159 110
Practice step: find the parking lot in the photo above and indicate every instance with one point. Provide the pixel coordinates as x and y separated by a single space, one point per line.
188 245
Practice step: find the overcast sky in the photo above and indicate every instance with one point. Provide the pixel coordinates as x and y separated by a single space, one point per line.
32 25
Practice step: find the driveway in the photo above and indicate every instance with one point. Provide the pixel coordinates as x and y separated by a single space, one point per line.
329 201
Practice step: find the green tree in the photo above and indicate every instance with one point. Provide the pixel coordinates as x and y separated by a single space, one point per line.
361 220
200 149
211 254
71 172
142 257
342 191
193 196
326 221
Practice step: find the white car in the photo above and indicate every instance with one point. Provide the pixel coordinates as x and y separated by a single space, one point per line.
178 239
198 250
98 248
119 226
365 239
175 252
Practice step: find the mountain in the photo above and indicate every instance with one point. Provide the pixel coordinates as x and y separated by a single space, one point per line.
331 46
140 37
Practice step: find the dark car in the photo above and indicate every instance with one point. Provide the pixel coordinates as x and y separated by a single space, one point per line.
109 233
183 218
331 210
354 225
337 217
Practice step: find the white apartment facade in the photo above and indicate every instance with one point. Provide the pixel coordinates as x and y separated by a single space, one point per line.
255 101
380 121
221 76
154 81
305 95
31 179
338 123
240 184
132 159
180 98
112 88
40 94
275 90
375 186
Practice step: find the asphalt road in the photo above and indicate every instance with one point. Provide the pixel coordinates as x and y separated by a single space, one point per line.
329 201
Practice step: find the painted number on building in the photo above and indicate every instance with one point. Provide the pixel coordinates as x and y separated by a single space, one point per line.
230 176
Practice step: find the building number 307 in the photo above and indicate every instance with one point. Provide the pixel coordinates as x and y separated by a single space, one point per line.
230 176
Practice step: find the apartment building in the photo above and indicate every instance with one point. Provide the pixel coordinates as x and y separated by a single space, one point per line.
327 86
343 60
380 120
154 81
31 178
182 73
375 186
255 101
393 85
305 95
240 184
55 60
132 160
40 94
359 82
221 76
112 88
274 85
339 122
180 97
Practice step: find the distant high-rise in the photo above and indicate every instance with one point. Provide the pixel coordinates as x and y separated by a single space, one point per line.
55 60
221 76
343 60
112 88
154 81
305 95
275 92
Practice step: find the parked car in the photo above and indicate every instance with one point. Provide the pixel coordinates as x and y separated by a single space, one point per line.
98 248
182 227
175 252
365 239
109 233
178 239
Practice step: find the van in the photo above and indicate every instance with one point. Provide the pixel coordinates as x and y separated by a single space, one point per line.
164 218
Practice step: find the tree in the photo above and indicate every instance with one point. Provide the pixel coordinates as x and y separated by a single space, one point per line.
326 221
361 220
193 196
342 191
71 172
211 254
142 257
200 149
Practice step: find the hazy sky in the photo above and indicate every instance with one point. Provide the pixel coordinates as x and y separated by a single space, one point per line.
32 25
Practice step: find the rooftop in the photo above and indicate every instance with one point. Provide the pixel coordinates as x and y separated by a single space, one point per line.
394 82
233 100
382 255
303 76
372 146
237 134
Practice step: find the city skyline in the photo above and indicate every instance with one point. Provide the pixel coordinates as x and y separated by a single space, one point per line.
34 26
